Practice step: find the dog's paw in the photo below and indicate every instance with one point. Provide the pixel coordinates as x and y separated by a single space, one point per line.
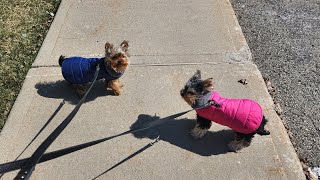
264 132
236 146
117 93
81 94
80 90
198 132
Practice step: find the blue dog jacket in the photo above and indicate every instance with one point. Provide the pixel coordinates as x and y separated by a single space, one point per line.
79 70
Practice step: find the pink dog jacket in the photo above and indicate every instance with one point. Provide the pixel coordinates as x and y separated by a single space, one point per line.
241 115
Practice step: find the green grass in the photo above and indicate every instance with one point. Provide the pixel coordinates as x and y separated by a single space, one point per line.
23 26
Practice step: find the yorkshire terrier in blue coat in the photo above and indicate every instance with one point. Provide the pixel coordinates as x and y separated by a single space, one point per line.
79 71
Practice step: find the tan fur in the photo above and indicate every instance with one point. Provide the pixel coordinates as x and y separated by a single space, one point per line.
116 86
198 133
190 99
115 58
208 84
80 89
237 145
195 88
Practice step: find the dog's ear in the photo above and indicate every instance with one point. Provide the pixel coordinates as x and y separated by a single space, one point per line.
207 85
108 47
196 77
125 45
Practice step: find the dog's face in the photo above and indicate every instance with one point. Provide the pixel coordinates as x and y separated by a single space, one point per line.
117 57
195 88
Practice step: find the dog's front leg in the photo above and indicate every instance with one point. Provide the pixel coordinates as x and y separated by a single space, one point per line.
81 89
116 86
201 127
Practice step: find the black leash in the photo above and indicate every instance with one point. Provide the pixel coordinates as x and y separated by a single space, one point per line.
129 157
14 165
29 166
44 126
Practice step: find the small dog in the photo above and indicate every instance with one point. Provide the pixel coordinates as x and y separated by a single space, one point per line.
80 71
243 116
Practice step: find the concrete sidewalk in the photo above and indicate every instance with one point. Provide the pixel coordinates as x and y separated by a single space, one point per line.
169 41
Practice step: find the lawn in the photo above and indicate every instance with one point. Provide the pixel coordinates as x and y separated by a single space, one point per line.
23 27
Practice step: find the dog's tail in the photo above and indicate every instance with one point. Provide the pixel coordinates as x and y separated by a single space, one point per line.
261 130
61 59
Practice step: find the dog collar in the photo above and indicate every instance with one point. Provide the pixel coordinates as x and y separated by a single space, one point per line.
202 100
112 75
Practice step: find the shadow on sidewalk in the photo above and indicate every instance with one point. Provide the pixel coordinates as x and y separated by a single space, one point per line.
63 90
177 132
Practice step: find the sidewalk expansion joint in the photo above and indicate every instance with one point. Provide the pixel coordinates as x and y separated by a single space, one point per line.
162 64
184 64
185 54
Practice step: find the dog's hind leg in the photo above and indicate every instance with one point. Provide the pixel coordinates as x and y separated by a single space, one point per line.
261 130
81 89
241 141
201 127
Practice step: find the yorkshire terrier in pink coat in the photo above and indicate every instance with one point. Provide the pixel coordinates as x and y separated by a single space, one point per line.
244 116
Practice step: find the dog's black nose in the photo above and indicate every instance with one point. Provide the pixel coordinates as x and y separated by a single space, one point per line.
119 62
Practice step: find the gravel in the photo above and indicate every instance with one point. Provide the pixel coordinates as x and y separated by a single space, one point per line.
284 38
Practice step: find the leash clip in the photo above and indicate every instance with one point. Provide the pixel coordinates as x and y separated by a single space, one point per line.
157 139
214 103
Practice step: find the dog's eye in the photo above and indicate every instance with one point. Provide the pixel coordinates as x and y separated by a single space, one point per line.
184 92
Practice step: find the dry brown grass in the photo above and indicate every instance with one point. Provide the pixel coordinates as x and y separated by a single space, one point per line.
23 26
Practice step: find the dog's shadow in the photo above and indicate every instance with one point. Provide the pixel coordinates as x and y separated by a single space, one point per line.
177 132
63 90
